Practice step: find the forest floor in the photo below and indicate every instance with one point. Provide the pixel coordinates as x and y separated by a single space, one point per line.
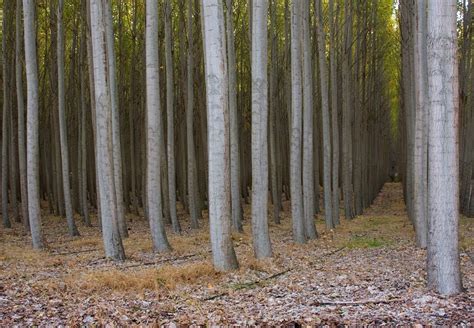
366 271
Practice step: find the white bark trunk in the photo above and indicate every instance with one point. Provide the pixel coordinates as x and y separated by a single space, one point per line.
117 151
153 117
63 126
261 238
104 139
308 134
443 172
170 118
32 124
323 80
234 126
223 253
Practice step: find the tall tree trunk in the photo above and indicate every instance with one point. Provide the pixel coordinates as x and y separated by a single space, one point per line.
261 238
323 80
193 194
117 149
223 253
170 118
334 114
237 213
420 147
104 138
32 124
62 125
308 127
6 114
347 113
443 173
21 115
299 234
153 117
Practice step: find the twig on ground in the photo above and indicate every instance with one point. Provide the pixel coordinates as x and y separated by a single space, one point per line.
356 303
159 262
75 252
248 284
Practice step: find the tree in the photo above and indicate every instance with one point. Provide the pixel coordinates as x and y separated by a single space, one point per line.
21 115
308 127
234 125
62 125
223 253
104 139
153 118
117 151
192 174
299 235
323 80
32 124
261 237
443 172
6 115
420 143
170 118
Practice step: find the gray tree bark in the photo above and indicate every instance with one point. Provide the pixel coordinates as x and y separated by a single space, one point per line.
223 253
153 118
237 213
32 124
308 127
323 80
104 138
261 238
63 126
170 118
443 173
21 115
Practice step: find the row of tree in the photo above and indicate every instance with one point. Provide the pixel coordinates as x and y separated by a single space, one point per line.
299 94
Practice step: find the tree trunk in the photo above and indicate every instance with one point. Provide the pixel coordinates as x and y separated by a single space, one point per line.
21 116
261 238
117 151
237 213
193 194
420 146
223 253
153 117
323 80
104 138
443 173
62 125
32 124
308 127
170 118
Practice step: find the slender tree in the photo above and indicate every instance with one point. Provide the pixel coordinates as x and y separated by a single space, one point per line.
443 173
234 125
104 139
32 124
308 127
170 118
223 253
261 237
153 117
323 80
21 114
62 125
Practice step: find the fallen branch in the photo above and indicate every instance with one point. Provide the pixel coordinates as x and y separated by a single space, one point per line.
75 252
333 252
357 303
159 262
248 284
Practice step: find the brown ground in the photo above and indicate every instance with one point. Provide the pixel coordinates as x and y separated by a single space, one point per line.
367 271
